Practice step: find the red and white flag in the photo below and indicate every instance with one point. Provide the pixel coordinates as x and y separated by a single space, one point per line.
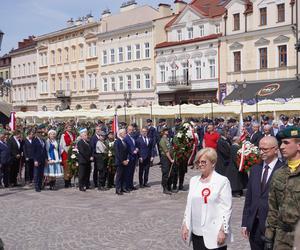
115 125
12 123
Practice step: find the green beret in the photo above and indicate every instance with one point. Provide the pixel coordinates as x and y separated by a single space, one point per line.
41 126
289 132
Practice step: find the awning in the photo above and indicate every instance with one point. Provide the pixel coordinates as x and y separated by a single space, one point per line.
251 92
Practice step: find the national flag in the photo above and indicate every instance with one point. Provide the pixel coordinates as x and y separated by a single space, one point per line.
12 123
115 125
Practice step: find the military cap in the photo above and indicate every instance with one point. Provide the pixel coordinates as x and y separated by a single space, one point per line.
161 120
195 120
148 120
41 126
266 118
178 119
204 120
247 119
288 133
285 118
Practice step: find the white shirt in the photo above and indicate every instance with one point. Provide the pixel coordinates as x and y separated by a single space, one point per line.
271 168
17 141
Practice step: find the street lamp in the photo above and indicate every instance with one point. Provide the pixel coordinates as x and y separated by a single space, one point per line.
240 91
1 37
127 99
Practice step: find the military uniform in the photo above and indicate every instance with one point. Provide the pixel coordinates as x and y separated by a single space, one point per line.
284 202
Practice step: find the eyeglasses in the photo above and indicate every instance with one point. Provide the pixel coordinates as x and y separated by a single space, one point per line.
266 149
204 163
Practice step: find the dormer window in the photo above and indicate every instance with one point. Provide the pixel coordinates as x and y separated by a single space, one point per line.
236 21
190 33
263 16
201 27
179 35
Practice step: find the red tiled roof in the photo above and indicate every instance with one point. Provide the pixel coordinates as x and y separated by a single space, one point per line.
198 39
208 8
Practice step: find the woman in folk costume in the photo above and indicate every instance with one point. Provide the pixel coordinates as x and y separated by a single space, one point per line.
67 139
53 169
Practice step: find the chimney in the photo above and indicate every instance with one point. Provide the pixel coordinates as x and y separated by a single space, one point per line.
70 22
78 21
164 9
129 5
106 13
89 18
179 5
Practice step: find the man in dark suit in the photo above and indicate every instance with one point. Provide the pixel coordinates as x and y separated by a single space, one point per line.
94 139
256 202
285 122
145 146
256 135
85 157
39 157
15 149
4 159
121 161
133 156
28 156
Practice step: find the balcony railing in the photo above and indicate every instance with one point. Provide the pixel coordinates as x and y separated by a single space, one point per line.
179 82
63 93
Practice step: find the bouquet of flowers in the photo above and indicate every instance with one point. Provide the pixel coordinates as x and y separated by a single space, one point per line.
111 156
183 143
73 160
247 156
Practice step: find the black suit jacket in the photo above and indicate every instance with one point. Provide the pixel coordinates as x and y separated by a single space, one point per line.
13 147
255 138
93 143
256 202
28 149
4 154
85 152
40 151
121 152
145 151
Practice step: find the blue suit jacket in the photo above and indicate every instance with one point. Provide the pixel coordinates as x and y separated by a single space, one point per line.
40 151
145 151
121 152
256 202
93 142
4 154
131 147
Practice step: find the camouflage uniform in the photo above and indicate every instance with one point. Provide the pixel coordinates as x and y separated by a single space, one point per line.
284 208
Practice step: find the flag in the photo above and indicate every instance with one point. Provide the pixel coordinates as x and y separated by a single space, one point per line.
115 125
12 123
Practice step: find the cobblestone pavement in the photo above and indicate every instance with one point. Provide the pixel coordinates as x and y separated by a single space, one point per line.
69 219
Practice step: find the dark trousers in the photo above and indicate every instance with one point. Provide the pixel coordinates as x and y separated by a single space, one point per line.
38 177
179 173
167 173
84 175
130 168
144 171
198 243
120 177
111 176
256 242
100 170
5 174
14 170
29 165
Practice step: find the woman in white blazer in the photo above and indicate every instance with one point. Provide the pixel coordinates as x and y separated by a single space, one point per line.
208 209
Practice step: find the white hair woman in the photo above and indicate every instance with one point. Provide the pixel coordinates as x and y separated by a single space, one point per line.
208 209
54 168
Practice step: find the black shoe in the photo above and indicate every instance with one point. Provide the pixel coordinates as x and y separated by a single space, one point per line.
38 190
141 186
174 191
134 188
147 185
119 192
102 188
125 191
167 192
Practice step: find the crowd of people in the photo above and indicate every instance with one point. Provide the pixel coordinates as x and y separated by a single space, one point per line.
48 151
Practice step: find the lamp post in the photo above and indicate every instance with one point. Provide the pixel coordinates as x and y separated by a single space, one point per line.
127 99
151 110
1 37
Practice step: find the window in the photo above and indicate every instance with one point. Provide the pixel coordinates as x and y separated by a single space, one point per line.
179 35
198 70
190 33
53 56
120 54
29 93
112 56
212 68
24 69
104 57
34 68
137 81
137 51
185 71
282 56
237 61
263 16
82 83
66 54
281 12
121 83
129 82
90 81
59 56
60 84
129 57
147 50
201 28
113 83
173 71
263 58
92 50
81 51
162 73
147 81
218 29
236 21
105 84
95 81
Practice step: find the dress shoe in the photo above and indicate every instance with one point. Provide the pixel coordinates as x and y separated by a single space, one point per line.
147 185
119 192
102 188
141 186
125 191
174 191
167 192
38 190
82 189
134 188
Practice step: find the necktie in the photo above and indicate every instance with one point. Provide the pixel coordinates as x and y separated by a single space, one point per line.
145 139
264 179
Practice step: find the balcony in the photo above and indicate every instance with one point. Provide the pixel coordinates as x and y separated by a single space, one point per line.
63 94
179 83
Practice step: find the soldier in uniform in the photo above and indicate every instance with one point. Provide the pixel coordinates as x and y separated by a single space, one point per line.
284 196
167 161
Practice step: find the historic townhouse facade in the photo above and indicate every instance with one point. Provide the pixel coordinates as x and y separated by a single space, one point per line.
126 41
258 43
24 76
5 73
187 64
67 66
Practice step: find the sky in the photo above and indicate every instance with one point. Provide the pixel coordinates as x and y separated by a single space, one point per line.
22 18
